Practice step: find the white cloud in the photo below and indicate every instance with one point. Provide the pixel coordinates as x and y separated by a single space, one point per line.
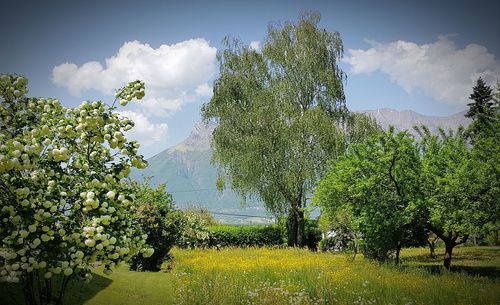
76 78
440 70
255 45
145 132
173 73
204 90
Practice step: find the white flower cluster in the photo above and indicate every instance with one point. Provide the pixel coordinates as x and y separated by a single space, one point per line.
63 202
134 89
13 86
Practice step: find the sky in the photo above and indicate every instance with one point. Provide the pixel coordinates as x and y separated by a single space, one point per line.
418 55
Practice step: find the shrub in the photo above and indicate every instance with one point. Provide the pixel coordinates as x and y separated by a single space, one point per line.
336 243
157 217
328 244
63 202
194 228
312 233
245 236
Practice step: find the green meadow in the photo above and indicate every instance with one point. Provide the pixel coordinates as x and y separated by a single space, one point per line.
294 276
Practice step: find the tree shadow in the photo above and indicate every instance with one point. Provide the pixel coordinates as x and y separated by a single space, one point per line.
77 292
80 292
484 254
486 271
470 261
10 294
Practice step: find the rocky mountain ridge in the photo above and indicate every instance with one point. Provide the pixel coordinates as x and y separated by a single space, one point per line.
406 119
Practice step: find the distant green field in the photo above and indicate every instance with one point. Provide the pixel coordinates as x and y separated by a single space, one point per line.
295 276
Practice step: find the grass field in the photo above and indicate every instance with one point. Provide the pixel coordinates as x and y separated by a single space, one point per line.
295 276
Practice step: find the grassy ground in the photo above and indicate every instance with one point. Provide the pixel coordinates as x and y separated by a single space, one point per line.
294 276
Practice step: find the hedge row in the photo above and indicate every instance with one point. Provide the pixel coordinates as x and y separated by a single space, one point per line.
245 236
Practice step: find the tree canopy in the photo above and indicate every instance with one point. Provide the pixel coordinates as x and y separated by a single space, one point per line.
460 186
402 189
481 109
379 179
281 114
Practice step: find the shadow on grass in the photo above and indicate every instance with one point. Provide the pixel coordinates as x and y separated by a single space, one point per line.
77 292
490 272
483 255
80 292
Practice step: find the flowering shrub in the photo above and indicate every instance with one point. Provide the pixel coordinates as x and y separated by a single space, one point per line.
194 229
63 202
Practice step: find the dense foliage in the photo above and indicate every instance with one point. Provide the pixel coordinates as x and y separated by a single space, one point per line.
461 175
312 234
157 217
281 115
379 181
245 236
404 192
63 202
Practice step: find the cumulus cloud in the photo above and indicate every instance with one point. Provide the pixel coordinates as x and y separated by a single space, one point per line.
204 90
173 74
440 70
145 131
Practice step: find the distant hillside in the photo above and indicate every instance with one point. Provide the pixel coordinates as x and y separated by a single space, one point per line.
406 119
190 177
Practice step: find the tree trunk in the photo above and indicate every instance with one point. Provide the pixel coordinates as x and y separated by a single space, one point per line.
301 236
41 291
449 245
292 229
296 227
432 249
398 250
29 290
60 298
354 245
450 241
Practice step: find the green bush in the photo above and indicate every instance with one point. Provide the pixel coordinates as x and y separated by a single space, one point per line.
312 233
194 233
245 236
157 217
491 234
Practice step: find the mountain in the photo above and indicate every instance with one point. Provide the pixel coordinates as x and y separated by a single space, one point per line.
190 177
406 119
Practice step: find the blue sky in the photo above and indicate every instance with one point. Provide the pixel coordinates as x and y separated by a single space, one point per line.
418 55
